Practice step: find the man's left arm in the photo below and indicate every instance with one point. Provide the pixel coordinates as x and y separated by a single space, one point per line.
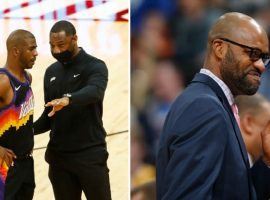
95 87
92 92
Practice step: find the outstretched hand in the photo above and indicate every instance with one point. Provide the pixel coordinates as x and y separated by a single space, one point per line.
6 156
266 144
57 104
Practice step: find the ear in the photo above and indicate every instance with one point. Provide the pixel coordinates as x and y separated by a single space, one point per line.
219 48
75 38
15 51
247 123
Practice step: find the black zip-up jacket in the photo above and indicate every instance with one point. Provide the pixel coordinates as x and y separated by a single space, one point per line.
77 126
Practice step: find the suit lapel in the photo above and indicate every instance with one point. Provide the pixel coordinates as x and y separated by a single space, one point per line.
220 94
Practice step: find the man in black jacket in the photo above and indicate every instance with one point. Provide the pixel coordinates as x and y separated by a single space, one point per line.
74 88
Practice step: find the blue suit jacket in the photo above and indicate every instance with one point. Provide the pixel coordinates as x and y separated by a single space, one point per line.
201 154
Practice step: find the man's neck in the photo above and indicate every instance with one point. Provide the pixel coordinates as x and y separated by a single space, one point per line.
77 50
16 71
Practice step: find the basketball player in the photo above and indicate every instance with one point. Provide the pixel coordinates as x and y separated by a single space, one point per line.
16 117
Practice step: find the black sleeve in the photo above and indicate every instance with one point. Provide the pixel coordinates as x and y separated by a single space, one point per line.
95 87
43 123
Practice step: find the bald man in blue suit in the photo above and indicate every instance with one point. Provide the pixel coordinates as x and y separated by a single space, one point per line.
201 154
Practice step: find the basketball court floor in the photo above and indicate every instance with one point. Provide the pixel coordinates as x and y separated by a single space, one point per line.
102 29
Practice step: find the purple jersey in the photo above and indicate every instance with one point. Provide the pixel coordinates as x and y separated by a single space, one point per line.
16 121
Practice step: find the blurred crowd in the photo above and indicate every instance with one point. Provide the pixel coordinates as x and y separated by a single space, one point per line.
168 43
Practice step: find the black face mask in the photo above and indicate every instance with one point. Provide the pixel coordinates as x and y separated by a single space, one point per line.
63 57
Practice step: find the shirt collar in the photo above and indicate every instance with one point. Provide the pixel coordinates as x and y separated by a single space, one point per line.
221 84
251 163
79 55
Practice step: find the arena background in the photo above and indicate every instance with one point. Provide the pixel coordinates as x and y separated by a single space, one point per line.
103 31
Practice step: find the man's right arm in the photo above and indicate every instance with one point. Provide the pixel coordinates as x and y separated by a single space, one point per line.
6 92
6 95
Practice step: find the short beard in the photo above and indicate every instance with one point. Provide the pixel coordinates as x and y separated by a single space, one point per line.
234 77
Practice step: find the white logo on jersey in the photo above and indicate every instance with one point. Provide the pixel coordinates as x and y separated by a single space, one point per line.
26 107
17 88
52 79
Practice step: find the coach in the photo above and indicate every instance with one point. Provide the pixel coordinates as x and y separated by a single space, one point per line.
74 88
201 153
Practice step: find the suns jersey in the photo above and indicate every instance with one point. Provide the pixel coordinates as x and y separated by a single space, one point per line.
16 119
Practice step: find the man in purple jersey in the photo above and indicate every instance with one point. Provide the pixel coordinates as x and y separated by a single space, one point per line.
16 118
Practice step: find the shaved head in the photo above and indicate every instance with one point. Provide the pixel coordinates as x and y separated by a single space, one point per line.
18 38
21 48
236 26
